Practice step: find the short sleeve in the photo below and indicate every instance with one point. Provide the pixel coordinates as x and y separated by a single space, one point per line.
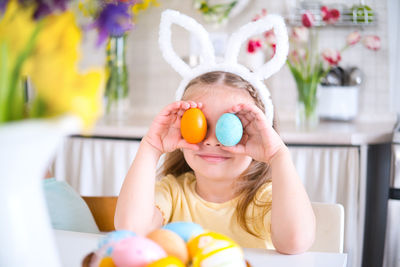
163 196
267 225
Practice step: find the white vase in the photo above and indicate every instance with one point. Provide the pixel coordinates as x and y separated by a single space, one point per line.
26 150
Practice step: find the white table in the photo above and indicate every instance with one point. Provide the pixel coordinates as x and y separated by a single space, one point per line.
74 246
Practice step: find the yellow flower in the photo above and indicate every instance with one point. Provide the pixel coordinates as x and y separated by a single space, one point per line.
82 97
52 64
137 8
58 41
54 73
16 28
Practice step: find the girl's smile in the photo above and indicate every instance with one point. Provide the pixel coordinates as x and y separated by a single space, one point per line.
213 158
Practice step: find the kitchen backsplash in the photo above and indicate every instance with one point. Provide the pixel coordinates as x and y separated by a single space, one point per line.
153 82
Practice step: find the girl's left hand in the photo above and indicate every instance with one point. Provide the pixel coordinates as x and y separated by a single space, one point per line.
260 141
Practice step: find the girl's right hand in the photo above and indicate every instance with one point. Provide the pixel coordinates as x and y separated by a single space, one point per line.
165 131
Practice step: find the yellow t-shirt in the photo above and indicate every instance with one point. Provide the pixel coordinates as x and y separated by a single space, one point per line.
178 201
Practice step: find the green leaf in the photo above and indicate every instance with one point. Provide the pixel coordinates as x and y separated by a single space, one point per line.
4 82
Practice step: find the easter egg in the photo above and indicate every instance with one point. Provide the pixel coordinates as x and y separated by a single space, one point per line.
136 251
213 249
171 242
111 238
169 261
186 230
107 262
229 129
193 125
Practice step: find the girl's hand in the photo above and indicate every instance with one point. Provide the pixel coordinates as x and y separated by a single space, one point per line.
165 131
260 141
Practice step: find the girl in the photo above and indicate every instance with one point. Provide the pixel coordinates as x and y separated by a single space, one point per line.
224 189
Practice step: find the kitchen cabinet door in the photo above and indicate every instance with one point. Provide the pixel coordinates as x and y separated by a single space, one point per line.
332 174
94 166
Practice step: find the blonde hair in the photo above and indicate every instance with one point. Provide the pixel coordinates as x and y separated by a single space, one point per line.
251 180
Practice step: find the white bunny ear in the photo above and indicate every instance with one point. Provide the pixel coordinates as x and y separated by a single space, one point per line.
207 50
274 22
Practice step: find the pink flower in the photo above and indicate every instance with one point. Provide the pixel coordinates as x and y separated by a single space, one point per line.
353 38
273 46
270 37
259 16
300 34
331 56
308 19
253 46
330 16
372 42
297 55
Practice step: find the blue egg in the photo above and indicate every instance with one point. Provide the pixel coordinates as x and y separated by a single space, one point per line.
114 237
186 230
229 129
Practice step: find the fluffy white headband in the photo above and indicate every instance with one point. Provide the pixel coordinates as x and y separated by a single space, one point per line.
230 63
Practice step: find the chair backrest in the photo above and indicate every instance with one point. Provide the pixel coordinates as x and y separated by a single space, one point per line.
103 210
330 227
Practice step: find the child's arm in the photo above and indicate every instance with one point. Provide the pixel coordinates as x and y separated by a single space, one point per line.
292 217
135 209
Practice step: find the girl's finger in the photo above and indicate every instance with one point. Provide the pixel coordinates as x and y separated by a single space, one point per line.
174 107
192 104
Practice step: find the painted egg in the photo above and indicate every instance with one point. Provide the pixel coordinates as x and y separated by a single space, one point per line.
193 125
110 239
171 242
169 261
213 249
107 262
186 230
229 129
136 251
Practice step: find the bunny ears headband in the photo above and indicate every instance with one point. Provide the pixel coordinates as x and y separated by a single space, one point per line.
230 63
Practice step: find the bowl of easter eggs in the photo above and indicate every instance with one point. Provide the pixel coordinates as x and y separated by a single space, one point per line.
177 244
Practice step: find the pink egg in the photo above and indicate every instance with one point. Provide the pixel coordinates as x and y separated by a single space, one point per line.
136 251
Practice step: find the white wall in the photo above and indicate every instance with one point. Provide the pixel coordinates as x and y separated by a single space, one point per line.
394 52
153 81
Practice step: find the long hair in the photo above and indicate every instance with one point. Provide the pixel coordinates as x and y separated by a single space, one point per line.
250 181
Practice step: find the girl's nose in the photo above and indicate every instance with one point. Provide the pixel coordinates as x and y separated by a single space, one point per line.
211 138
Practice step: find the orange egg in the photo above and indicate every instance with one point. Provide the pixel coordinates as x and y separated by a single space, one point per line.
193 125
171 242
169 261
107 262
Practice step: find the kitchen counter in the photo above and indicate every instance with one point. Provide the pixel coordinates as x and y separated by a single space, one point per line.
326 133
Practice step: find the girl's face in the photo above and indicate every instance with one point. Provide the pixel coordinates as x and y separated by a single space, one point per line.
210 161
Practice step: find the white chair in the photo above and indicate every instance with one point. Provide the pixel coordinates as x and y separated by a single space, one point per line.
330 227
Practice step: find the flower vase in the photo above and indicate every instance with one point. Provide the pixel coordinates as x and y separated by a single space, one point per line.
27 148
117 88
307 113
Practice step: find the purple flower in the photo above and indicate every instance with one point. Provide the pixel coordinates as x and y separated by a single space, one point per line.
114 20
45 7
3 4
